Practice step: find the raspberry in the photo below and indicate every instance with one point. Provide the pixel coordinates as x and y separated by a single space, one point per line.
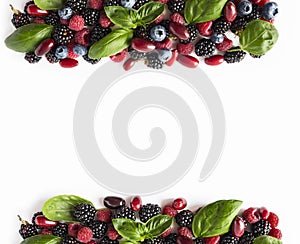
104 215
177 18
119 57
73 229
95 4
212 240
276 233
76 23
71 54
85 234
167 232
64 21
169 210
83 37
225 44
185 49
112 234
165 44
273 219
185 231
104 21
251 215
264 213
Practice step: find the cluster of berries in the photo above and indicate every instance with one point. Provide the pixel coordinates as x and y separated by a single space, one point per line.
95 226
81 23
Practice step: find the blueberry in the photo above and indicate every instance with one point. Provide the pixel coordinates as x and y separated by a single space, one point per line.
244 8
61 52
65 13
128 3
158 33
217 38
80 50
164 55
269 10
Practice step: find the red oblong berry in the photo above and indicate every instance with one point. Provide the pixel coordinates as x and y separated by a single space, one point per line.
184 240
230 11
136 203
225 45
188 61
128 64
214 60
173 58
142 45
179 203
264 213
44 47
205 28
42 221
68 63
238 227
35 11
179 30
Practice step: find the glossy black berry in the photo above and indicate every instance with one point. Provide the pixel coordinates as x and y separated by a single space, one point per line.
60 230
234 56
262 227
32 58
62 35
90 16
176 6
124 212
84 213
149 210
98 32
184 218
204 48
99 228
76 5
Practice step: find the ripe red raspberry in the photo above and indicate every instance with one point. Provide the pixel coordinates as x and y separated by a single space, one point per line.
165 44
104 21
169 210
185 231
251 215
276 233
76 23
212 240
83 37
71 54
185 49
225 45
167 232
104 215
273 219
85 234
95 4
177 18
112 234
64 21
119 57
73 229
264 213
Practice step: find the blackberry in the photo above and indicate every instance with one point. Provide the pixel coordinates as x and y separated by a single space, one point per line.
91 16
170 239
84 213
98 32
124 212
255 14
62 35
51 57
99 228
256 56
199 241
32 58
229 239
76 5
27 230
238 25
234 56
157 240
33 219
262 227
90 60
140 3
19 19
69 240
106 240
220 25
247 238
193 34
184 218
136 55
61 230
204 48
149 210
176 6
143 32
112 3
52 19
153 62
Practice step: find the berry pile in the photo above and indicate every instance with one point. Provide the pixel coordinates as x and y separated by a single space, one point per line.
171 223
171 35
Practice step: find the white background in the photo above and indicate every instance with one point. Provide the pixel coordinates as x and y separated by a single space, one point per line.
259 164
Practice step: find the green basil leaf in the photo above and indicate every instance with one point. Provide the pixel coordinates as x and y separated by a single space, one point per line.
111 44
202 11
61 208
266 240
215 218
26 38
258 37
159 224
50 4
150 12
129 229
122 17
42 239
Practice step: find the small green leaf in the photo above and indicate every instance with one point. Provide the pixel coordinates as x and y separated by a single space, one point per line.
50 4
150 12
111 44
122 17
26 38
61 208
159 224
129 229
215 218
42 239
202 11
266 240
258 37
